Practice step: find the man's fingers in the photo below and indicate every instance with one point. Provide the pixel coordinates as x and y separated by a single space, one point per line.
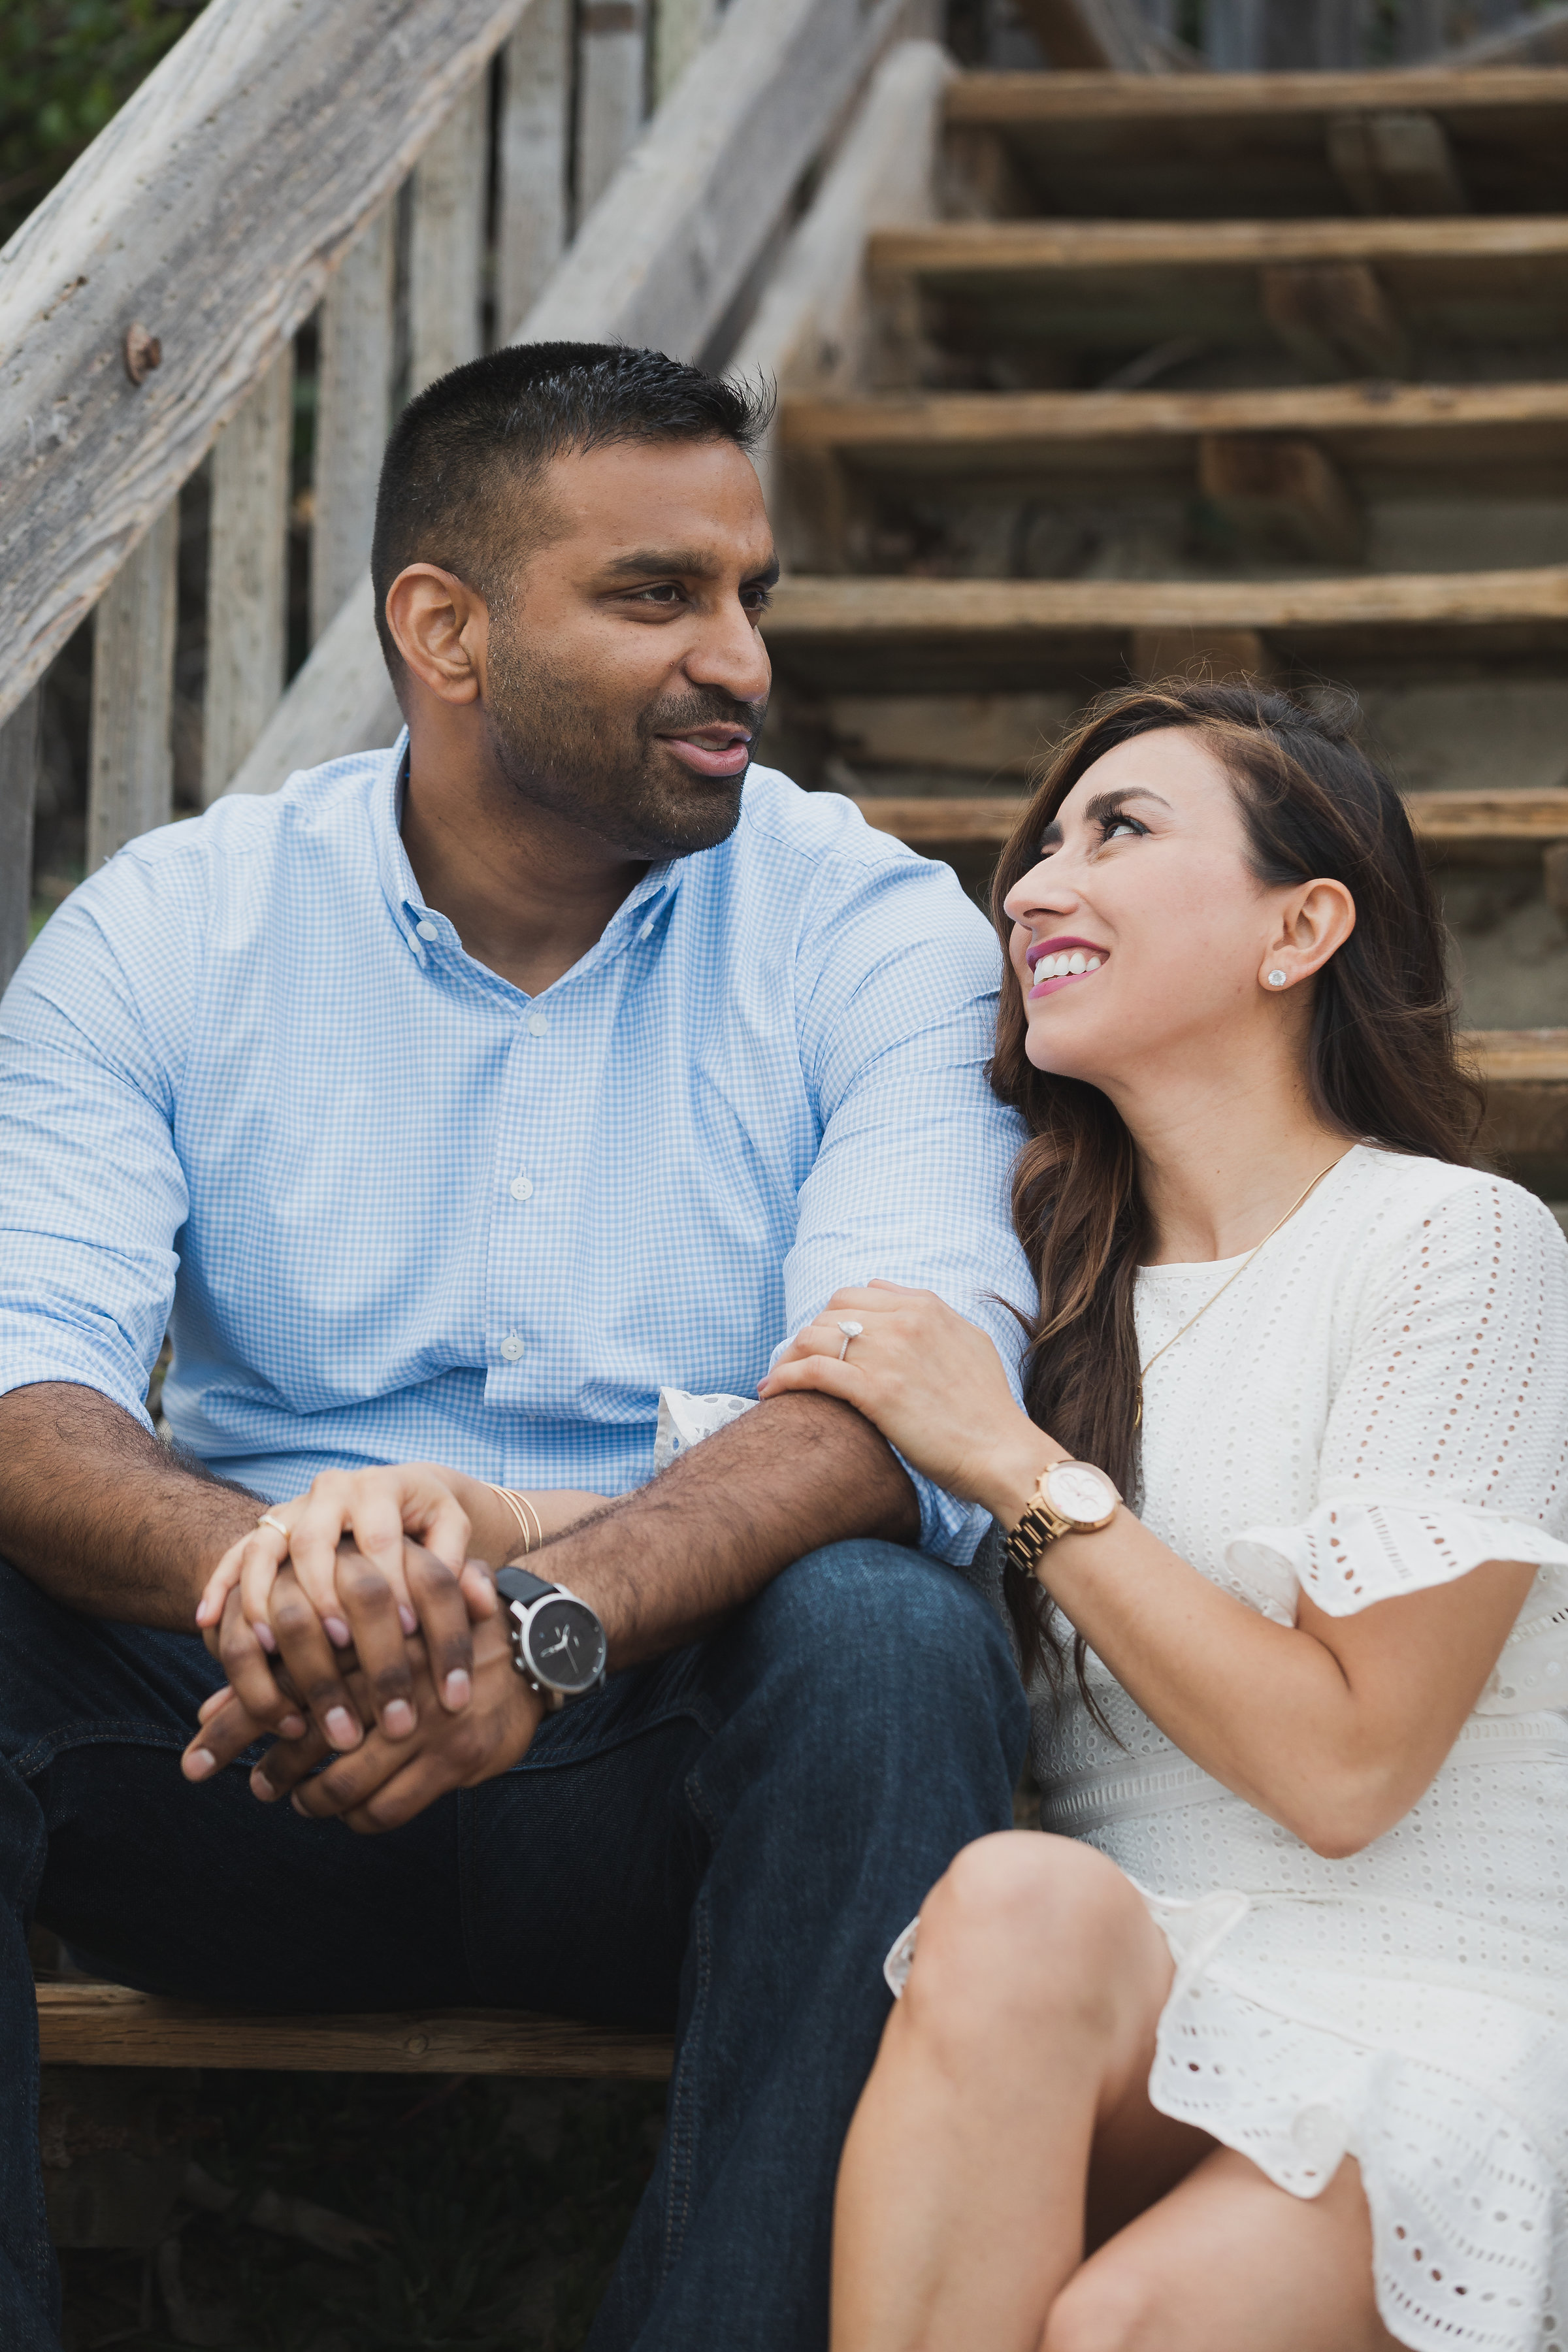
313 1667
443 1620
370 1606
246 1664
227 1729
287 1762
407 1793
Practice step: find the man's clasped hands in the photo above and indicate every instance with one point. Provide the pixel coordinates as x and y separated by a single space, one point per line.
357 1632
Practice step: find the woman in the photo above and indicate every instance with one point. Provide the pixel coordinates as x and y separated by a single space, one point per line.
1265 2048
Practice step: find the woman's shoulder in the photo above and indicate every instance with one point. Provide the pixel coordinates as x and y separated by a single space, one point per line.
1409 1204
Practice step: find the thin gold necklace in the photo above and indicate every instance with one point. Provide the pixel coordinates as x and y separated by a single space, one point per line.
1300 1202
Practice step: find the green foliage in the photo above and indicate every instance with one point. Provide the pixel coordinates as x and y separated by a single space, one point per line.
65 66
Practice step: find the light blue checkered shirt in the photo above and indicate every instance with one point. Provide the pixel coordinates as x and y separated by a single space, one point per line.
395 1209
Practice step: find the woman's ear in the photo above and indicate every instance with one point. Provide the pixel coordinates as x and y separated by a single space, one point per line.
439 626
1314 921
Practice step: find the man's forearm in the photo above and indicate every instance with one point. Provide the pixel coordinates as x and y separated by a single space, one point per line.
667 1563
101 1517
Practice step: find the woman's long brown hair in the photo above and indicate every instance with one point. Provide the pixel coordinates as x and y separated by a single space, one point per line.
1381 1061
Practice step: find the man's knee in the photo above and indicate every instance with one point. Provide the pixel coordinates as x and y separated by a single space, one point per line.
895 1645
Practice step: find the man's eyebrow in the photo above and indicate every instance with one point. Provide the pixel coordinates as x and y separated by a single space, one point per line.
684 563
1100 805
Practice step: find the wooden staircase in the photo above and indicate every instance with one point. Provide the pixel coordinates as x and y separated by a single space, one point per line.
1264 372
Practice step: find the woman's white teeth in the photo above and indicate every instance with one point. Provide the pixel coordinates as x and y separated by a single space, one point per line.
1058 967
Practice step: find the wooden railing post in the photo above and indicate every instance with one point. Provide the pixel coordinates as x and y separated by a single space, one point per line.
248 574
353 392
610 83
680 29
532 217
447 247
130 769
19 749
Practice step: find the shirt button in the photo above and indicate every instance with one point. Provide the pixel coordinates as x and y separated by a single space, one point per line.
521 1188
647 931
428 931
538 1023
511 1347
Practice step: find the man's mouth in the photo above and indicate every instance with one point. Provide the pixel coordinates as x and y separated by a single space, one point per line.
1056 963
720 750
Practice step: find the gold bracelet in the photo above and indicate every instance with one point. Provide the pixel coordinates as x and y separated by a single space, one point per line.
517 1504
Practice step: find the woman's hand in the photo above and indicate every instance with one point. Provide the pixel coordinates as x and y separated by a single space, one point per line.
932 1382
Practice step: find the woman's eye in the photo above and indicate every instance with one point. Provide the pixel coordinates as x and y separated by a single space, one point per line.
1127 824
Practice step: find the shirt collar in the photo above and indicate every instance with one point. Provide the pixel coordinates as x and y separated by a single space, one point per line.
400 889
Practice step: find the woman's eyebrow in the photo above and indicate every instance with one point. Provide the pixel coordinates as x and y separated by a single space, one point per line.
1104 805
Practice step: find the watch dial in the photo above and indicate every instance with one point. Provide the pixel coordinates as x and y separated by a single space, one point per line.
1079 1493
566 1646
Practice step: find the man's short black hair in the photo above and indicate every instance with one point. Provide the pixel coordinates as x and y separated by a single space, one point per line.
495 425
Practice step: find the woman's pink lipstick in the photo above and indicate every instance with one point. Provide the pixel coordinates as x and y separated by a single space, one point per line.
1062 946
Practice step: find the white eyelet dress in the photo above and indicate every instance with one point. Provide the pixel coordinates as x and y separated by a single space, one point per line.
1376 1406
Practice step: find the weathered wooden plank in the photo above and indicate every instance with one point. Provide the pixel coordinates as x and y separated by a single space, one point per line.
1105 284
816 327
1498 823
446 241
843 636
247 574
666 250
130 772
1489 439
533 160
91 2024
1065 101
354 394
680 29
1196 648
1526 1075
1225 145
20 750
218 247
611 66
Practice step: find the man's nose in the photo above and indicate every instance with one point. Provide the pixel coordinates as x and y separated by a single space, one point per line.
729 654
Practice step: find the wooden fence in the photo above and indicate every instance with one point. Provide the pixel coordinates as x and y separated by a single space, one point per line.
408 180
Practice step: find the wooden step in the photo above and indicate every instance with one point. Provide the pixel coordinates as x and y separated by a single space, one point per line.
858 636
1526 1076
1344 297
84 2024
1388 440
1491 827
1212 145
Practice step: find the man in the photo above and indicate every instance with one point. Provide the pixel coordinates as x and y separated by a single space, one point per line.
449 1102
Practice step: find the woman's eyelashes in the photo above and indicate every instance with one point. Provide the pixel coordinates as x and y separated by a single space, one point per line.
1106 826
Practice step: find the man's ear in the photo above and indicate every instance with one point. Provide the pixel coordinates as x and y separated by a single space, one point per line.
440 627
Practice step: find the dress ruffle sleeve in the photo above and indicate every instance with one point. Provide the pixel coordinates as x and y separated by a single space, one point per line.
1443 1444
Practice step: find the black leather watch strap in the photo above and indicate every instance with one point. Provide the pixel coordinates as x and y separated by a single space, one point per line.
522 1584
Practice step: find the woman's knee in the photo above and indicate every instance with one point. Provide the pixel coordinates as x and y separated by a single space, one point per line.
1027 1931
1111 2304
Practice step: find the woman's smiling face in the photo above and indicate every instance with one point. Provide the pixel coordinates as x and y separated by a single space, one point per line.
1142 928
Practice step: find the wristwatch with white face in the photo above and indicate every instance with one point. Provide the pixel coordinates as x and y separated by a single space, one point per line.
558 1644
1069 1498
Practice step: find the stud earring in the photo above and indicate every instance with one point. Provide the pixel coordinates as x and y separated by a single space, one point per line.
1276 980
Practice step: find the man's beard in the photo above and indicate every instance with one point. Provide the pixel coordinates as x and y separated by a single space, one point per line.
557 751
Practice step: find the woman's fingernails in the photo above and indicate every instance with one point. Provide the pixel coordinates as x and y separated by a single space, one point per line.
299 1807
399 1720
406 1619
261 1787
293 1727
199 1762
458 1687
265 1635
337 1633
341 1728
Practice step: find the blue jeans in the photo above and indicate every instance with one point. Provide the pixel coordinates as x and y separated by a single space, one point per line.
725 1841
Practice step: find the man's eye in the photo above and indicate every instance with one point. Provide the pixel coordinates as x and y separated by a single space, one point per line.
756 600
664 592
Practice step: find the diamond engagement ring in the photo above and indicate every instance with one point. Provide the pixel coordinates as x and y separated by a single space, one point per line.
851 1330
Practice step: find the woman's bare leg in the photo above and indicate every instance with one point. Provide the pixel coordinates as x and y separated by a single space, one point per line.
1228 2263
1027 2025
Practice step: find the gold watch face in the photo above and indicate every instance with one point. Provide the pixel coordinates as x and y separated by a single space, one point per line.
1076 1491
